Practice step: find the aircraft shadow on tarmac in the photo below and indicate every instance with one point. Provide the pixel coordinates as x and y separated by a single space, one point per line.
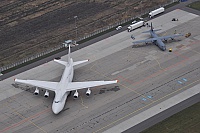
103 90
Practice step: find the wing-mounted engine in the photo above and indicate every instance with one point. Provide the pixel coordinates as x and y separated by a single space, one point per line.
46 94
36 92
88 92
76 94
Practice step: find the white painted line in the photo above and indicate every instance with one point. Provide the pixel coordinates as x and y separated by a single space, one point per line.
154 110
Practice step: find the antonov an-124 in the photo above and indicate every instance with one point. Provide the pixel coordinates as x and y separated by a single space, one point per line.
65 86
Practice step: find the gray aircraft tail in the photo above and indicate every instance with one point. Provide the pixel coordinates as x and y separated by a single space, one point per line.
152 29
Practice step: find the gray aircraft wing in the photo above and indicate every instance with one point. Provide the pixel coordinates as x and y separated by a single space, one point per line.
154 39
145 41
170 36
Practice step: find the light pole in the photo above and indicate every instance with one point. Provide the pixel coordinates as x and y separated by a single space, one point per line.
141 7
75 17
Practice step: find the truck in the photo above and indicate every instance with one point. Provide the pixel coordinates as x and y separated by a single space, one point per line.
135 26
156 12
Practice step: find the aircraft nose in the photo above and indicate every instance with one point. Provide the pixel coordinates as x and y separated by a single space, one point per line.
55 110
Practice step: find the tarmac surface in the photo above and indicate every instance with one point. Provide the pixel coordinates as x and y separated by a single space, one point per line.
147 76
159 112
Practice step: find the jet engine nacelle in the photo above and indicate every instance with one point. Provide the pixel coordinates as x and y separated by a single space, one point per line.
76 95
88 92
46 94
36 91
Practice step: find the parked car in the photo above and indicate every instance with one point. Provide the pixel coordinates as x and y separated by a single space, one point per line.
119 27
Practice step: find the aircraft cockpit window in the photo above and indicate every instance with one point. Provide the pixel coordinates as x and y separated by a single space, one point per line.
56 101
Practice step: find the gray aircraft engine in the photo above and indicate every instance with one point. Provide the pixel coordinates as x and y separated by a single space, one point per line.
76 94
46 94
88 92
36 92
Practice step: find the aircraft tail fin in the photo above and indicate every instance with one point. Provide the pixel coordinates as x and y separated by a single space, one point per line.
149 30
68 56
151 27
65 63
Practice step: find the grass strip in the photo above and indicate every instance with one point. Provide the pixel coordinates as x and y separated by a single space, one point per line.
195 5
186 121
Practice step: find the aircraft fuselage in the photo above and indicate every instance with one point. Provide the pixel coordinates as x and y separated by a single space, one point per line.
158 42
61 93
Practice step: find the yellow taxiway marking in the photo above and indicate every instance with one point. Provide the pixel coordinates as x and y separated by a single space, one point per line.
159 64
83 103
195 51
121 84
144 106
24 117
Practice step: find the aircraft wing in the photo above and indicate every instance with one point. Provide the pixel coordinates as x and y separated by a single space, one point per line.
145 41
170 36
42 84
154 39
80 85
79 62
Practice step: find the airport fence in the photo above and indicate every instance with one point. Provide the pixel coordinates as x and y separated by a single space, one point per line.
48 51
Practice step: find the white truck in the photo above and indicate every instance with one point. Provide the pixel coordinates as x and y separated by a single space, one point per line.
157 11
135 26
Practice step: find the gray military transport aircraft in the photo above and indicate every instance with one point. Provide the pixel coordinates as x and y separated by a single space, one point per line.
63 88
158 41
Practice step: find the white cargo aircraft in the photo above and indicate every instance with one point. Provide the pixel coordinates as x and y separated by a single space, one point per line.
65 86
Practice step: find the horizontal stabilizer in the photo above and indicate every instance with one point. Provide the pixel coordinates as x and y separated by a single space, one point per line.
79 62
61 62
146 31
157 30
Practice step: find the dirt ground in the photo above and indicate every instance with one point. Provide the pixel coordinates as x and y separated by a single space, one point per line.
28 27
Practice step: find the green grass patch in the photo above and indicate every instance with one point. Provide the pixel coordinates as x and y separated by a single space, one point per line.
195 5
172 4
186 121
